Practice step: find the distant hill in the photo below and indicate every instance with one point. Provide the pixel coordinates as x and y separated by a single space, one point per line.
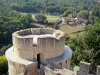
54 1
60 1
57 1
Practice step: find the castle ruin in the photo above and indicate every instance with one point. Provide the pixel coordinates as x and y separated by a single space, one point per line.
38 51
42 51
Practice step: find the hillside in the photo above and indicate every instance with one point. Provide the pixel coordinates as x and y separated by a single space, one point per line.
56 1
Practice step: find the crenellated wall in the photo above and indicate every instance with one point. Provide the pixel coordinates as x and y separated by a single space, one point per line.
84 69
28 43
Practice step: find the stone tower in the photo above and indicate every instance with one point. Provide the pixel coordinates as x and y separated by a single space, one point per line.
35 47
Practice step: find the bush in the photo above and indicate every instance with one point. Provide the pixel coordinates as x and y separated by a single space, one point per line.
3 65
4 48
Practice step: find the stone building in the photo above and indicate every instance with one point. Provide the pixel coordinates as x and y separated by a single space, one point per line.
38 51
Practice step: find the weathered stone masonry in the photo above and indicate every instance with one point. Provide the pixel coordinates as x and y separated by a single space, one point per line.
35 47
86 69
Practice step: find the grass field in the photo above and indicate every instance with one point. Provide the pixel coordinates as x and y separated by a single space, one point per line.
50 18
71 30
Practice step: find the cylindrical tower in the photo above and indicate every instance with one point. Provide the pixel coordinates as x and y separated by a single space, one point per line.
28 43
33 46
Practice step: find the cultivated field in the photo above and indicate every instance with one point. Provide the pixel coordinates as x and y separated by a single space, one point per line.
52 18
71 30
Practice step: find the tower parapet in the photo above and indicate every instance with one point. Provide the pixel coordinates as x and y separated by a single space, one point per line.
35 47
30 42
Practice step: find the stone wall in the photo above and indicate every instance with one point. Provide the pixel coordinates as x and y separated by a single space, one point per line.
86 69
52 46
62 71
62 64
98 70
16 68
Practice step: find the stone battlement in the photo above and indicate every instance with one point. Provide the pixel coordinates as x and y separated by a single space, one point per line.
86 69
33 41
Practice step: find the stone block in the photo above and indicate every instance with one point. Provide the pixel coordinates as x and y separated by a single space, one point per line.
42 70
31 69
80 73
98 70
85 67
76 68
91 74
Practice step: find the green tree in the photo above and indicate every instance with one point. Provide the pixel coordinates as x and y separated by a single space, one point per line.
86 47
5 9
26 20
67 12
70 16
40 18
4 48
84 14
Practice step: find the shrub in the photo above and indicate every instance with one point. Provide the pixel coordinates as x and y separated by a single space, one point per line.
3 65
